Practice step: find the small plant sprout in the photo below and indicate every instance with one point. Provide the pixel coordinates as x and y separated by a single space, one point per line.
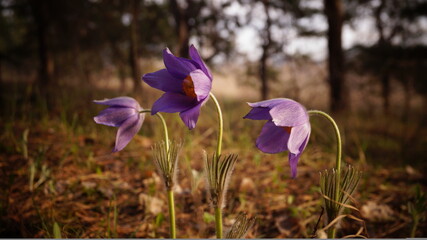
240 227
349 181
218 173
417 208
166 161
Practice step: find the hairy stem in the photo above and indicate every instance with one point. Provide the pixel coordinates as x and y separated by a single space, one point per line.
218 209
218 222
220 126
171 201
165 127
332 231
171 205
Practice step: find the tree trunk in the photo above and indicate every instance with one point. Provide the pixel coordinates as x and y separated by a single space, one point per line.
46 64
407 99
1 72
334 14
133 49
120 65
383 43
182 28
263 76
385 90
265 53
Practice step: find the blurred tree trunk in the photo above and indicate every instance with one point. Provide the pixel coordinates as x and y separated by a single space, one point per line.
120 65
1 72
182 28
334 14
408 97
385 89
266 36
385 70
46 65
133 49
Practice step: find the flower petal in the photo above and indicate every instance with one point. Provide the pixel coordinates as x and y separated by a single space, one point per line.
273 139
298 135
190 116
259 113
164 81
267 103
178 67
173 102
120 102
114 116
128 130
294 158
289 113
202 84
195 56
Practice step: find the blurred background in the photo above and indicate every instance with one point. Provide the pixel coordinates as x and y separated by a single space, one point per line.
362 60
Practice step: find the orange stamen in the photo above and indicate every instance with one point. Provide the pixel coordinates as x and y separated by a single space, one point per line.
188 87
287 129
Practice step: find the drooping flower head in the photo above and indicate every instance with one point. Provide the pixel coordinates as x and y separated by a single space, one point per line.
186 83
287 128
124 113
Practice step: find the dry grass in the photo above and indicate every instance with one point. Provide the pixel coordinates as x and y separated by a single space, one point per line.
77 183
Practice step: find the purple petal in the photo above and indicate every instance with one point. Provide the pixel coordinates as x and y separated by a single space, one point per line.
298 135
273 139
190 116
179 68
128 130
195 56
267 103
120 102
289 113
294 158
164 81
173 102
114 116
202 84
259 113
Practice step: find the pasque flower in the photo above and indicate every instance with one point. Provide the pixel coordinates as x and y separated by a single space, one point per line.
124 113
287 129
186 83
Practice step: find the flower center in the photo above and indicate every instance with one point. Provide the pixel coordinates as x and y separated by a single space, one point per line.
287 129
188 87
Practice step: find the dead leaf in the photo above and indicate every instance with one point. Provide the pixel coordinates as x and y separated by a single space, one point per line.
377 212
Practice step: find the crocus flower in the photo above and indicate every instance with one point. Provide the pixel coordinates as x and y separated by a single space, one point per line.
186 83
287 129
124 113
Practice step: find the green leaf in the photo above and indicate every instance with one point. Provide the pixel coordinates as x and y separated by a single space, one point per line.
56 231
208 218
159 219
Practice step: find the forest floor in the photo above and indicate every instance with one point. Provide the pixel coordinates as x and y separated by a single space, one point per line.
58 174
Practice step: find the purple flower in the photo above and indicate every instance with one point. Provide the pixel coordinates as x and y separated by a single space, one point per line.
124 113
186 83
287 129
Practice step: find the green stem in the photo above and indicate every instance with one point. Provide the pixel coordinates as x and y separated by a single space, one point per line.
171 201
332 231
220 126
171 205
165 127
218 209
218 222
